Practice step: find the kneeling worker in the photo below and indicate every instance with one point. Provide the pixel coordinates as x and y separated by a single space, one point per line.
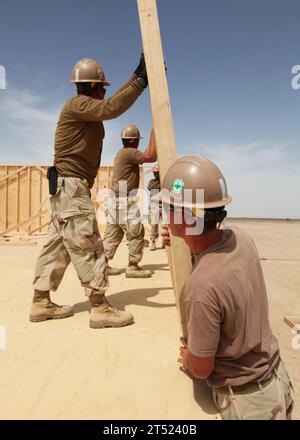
127 175
229 339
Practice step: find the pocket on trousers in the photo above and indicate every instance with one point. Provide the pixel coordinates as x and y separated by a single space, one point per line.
81 232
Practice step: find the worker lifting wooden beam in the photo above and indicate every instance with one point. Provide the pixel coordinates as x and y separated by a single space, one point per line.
179 254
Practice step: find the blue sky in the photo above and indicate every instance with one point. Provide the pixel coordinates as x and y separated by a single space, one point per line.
229 74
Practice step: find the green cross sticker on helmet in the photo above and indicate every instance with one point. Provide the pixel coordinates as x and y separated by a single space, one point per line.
178 186
200 180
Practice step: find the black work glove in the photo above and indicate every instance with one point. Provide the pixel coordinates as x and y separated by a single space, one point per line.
141 71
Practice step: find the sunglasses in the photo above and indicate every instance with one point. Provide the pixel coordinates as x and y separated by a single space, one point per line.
191 212
172 208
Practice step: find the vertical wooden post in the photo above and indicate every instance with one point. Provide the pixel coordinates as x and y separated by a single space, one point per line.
180 256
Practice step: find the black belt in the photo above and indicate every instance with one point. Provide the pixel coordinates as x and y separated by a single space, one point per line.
247 388
83 181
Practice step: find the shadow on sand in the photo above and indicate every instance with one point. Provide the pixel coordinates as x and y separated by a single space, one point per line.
201 391
122 299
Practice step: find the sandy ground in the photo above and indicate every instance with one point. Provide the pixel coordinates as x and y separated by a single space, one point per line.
64 370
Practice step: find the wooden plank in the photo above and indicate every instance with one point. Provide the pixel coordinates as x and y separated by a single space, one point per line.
40 228
41 169
293 323
29 220
11 175
180 255
16 243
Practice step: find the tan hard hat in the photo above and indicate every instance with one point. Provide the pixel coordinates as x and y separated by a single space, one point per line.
195 173
88 70
130 132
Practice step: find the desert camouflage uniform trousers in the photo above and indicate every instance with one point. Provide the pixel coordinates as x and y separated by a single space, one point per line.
273 402
73 236
154 218
124 216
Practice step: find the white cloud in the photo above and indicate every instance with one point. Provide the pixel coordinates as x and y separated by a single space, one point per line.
28 126
263 177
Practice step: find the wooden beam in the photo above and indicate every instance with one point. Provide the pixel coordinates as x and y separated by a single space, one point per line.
42 170
29 220
39 228
9 176
180 255
25 222
293 323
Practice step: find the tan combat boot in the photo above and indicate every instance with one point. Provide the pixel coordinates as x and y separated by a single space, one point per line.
103 314
153 245
135 271
113 270
42 308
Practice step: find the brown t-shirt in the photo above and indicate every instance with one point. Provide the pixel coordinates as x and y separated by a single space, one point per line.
80 132
126 168
226 309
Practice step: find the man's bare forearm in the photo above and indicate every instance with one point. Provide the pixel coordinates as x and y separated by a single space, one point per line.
150 152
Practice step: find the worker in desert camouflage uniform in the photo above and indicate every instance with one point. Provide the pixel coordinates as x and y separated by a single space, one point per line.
124 215
224 301
155 211
73 234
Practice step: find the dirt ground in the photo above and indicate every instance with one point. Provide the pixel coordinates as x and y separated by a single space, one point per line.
64 370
